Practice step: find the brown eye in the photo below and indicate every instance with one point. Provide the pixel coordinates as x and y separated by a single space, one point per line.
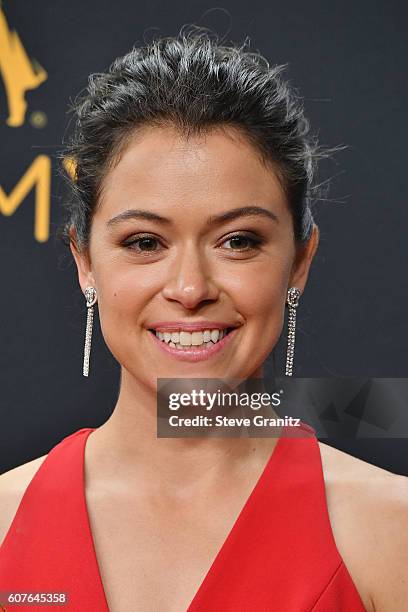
143 244
147 243
243 242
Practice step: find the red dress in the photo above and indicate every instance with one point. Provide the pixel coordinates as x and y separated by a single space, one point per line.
280 555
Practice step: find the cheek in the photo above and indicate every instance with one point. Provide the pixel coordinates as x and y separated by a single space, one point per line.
259 296
122 301
260 291
122 294
122 288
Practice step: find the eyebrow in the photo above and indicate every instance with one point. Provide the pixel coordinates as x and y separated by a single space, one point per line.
230 215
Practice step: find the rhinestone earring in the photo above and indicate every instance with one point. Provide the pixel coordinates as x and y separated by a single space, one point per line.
91 297
292 301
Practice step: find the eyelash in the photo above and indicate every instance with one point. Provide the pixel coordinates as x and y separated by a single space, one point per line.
256 242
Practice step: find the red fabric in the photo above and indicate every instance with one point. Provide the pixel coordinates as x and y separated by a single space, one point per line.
280 555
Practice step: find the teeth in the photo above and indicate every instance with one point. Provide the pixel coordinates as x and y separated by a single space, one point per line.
185 338
215 335
198 338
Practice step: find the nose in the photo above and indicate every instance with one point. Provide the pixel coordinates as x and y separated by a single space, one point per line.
189 281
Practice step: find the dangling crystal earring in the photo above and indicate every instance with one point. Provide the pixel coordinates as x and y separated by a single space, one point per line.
91 297
292 301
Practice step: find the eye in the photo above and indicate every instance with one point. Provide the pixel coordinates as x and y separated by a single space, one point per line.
239 239
146 243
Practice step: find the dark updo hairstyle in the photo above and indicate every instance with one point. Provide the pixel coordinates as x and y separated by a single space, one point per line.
192 82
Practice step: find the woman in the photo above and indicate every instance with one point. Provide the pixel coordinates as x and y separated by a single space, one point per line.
192 194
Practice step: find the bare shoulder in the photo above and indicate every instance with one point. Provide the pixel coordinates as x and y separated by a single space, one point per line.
12 486
368 508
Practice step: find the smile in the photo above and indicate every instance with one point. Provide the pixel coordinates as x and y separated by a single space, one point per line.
193 346
182 338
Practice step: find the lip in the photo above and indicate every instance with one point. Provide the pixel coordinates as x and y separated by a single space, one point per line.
194 354
189 325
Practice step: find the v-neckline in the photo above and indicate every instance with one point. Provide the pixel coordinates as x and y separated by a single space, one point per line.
270 463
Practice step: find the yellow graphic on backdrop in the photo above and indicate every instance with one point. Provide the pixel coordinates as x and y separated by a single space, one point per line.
71 168
18 71
38 175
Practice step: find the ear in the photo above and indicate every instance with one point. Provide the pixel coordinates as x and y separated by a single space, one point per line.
85 276
303 260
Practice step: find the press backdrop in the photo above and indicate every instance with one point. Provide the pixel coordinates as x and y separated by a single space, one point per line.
348 60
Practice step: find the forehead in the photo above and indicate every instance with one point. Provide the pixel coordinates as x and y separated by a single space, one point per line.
161 168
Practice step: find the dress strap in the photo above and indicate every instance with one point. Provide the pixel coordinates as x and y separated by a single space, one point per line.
48 547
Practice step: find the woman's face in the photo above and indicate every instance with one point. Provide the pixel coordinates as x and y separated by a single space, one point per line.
192 266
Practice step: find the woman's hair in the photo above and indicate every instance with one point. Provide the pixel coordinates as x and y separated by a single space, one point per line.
193 83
